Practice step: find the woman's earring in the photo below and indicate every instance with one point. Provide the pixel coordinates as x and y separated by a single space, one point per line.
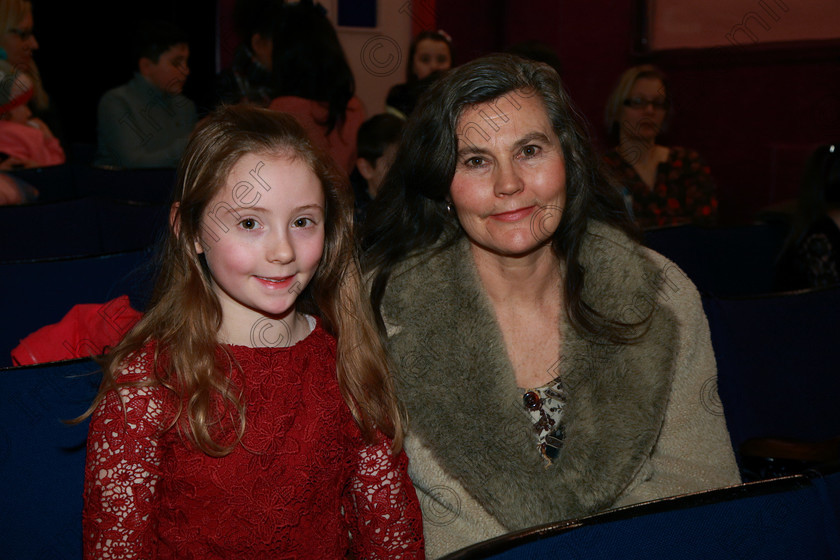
449 207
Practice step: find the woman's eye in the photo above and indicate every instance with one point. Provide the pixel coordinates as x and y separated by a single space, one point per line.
530 151
248 223
475 162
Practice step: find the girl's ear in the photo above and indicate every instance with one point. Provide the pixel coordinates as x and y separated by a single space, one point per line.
175 222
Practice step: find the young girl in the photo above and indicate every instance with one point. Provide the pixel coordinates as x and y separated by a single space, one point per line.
24 141
250 413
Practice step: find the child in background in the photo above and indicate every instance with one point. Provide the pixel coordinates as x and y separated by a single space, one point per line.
429 55
147 122
378 140
250 413
24 141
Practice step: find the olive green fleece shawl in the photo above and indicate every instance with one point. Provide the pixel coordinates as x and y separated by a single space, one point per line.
455 379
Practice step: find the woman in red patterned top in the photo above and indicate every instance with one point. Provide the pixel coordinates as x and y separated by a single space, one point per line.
662 185
250 413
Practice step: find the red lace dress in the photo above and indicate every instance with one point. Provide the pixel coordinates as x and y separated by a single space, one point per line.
302 483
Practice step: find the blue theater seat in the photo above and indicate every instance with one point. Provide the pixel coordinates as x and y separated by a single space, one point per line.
153 186
78 227
723 261
42 458
54 183
38 293
778 358
789 518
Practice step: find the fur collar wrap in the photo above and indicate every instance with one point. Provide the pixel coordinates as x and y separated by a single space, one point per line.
457 384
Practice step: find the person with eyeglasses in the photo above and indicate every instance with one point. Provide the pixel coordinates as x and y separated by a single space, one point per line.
17 43
663 185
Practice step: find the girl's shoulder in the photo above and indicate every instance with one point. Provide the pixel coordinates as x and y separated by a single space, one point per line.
140 364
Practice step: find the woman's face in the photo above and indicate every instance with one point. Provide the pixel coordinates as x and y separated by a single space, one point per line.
644 110
430 56
19 42
509 187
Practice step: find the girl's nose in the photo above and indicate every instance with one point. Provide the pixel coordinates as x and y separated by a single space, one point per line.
280 250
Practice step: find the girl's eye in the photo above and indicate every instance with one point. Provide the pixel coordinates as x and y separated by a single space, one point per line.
248 223
303 222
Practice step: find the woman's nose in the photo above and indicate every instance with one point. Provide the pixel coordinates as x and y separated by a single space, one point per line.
508 180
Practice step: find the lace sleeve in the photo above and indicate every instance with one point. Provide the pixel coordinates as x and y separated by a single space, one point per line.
121 473
382 507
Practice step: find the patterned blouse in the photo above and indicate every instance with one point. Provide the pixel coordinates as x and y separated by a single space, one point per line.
814 261
684 191
545 407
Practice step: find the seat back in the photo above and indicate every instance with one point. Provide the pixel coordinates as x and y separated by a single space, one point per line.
78 227
778 362
38 293
153 186
780 519
42 458
724 261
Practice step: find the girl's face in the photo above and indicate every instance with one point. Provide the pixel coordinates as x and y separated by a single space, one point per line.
263 237
19 42
430 56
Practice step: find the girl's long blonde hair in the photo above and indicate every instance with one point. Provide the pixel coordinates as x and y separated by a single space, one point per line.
184 316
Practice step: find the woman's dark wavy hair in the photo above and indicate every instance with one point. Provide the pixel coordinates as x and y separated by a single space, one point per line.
308 61
409 216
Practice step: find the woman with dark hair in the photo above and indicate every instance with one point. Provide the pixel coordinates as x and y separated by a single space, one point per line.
550 366
663 185
811 252
430 54
313 81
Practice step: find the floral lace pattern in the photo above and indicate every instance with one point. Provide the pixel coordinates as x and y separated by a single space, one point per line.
301 484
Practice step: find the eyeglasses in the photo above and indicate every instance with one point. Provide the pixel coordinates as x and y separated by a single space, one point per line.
642 103
24 34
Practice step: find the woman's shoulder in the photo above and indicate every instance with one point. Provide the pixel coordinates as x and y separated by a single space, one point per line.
620 263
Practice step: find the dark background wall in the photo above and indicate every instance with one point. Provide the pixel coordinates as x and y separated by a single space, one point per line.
754 112
85 50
